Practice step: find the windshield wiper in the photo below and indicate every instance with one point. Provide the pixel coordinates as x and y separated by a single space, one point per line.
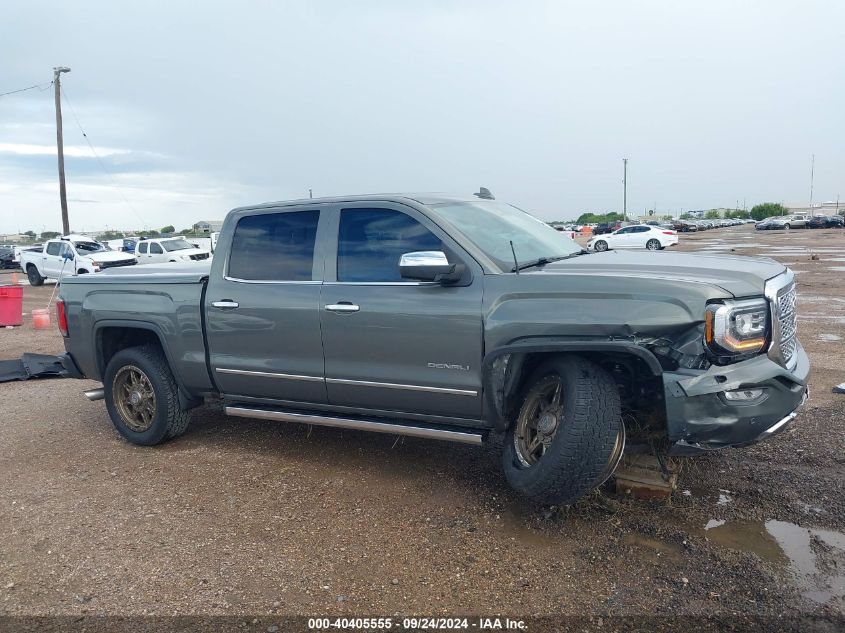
547 260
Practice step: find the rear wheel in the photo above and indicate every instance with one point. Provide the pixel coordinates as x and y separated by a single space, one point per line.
142 396
35 278
653 245
568 436
600 246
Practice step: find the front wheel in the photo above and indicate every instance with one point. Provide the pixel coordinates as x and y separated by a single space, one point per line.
142 397
569 436
600 246
35 278
787 227
653 245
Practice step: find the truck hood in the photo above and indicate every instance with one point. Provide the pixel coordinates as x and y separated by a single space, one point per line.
737 275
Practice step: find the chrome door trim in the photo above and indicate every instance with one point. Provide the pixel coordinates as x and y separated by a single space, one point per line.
271 281
392 385
412 430
267 374
382 283
224 304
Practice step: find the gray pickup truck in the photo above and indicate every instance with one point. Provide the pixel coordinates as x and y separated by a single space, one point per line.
446 317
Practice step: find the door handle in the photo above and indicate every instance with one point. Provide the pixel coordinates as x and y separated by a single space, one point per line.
343 306
226 304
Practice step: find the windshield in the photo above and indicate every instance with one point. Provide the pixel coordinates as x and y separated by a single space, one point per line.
89 247
176 245
492 226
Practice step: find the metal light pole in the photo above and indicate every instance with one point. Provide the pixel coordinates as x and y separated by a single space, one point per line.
57 72
625 189
812 171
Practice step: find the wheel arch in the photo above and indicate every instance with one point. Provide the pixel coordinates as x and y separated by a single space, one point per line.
112 336
506 368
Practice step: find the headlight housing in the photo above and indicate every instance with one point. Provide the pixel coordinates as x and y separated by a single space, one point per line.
735 328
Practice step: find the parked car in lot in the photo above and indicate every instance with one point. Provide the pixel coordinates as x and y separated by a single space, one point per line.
606 227
826 222
683 226
446 317
796 221
635 236
171 249
70 255
7 257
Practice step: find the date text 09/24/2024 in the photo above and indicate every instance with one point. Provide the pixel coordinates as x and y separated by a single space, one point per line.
417 624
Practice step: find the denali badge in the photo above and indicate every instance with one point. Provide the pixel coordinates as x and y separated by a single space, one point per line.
448 366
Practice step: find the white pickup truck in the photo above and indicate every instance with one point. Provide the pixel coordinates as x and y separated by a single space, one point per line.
72 254
171 249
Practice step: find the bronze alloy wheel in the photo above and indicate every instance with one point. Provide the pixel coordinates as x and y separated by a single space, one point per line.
134 398
538 420
615 456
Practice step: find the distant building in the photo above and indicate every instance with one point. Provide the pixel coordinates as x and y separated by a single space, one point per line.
14 238
819 208
208 226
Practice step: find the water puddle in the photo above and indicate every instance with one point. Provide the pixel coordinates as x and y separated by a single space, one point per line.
838 269
814 557
829 338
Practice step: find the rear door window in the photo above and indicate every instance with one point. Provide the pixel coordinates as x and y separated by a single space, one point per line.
274 247
54 248
142 247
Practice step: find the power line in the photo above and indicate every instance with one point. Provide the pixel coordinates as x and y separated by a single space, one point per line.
11 92
99 160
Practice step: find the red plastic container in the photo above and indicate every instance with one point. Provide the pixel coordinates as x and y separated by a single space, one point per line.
11 305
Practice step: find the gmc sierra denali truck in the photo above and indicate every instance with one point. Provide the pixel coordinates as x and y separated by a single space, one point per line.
446 317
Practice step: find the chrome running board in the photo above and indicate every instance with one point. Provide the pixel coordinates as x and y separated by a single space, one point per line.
358 424
95 394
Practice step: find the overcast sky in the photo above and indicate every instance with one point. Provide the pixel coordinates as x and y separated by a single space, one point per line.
199 107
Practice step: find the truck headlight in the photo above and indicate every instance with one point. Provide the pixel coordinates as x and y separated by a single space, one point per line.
736 327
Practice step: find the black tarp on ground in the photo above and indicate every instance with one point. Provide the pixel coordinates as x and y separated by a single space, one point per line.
32 366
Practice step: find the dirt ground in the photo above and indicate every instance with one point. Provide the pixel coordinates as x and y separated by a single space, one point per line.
263 520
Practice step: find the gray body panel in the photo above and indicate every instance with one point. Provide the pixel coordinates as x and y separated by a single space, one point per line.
422 350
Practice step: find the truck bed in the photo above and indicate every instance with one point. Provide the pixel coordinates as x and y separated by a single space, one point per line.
163 301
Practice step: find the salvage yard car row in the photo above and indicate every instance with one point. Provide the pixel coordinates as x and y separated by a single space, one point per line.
81 255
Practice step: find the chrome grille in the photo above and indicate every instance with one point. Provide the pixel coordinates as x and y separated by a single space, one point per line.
121 262
788 321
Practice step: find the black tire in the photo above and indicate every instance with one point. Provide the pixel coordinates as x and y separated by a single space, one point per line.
653 245
35 278
586 444
169 420
600 246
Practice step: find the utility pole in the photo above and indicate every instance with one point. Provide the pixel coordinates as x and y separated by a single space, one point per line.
812 170
625 189
57 71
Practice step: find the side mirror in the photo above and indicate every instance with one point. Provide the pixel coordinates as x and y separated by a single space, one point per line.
426 266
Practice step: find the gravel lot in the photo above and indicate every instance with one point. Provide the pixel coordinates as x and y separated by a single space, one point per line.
264 520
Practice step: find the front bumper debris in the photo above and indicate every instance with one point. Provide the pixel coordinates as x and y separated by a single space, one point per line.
699 417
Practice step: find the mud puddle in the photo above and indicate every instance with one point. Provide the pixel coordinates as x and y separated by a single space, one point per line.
815 558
